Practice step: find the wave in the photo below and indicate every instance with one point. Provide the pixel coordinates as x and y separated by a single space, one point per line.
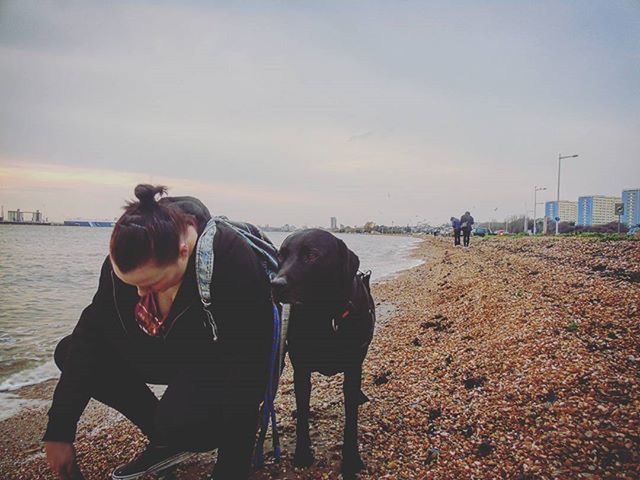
33 376
13 405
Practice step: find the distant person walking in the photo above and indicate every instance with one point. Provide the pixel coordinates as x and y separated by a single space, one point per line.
455 223
466 223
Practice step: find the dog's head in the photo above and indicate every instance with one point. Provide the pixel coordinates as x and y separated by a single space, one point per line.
315 266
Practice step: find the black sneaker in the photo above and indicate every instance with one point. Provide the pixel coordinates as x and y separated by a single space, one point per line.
153 459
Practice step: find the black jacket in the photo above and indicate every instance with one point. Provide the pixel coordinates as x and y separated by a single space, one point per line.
466 222
235 365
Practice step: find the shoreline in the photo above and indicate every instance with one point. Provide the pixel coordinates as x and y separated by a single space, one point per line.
497 364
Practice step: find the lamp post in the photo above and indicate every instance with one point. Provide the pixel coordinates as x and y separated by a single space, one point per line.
560 158
491 220
535 204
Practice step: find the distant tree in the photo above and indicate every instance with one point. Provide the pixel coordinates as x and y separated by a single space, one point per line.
516 224
563 227
540 226
566 227
611 227
368 227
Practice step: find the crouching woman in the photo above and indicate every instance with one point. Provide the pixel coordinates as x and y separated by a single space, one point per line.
147 324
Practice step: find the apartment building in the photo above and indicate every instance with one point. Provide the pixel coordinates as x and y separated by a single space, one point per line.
566 210
597 210
631 201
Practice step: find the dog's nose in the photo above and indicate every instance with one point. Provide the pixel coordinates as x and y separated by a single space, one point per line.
278 287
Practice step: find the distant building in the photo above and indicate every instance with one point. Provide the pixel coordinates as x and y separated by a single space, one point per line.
567 211
15 216
597 210
334 223
22 216
631 201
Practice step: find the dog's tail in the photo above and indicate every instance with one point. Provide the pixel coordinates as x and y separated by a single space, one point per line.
362 398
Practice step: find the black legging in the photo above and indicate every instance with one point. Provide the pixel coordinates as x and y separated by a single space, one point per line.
466 234
456 236
187 416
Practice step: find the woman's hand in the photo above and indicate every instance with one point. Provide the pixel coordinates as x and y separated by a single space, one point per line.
61 457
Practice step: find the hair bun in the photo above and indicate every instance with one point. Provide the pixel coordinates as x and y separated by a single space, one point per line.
146 193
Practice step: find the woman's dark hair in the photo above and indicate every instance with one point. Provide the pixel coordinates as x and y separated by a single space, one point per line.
148 230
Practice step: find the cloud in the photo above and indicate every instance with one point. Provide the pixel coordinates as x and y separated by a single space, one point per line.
360 136
294 112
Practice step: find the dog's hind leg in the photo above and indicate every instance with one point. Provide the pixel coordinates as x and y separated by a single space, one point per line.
302 386
351 461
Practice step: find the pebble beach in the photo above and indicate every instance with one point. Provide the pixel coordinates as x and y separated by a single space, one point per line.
517 358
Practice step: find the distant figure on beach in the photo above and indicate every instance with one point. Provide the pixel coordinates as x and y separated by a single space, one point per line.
466 223
455 223
149 323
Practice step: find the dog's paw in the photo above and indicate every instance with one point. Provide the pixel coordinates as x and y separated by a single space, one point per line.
351 466
303 457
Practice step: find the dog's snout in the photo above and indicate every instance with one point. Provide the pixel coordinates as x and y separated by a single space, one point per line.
278 287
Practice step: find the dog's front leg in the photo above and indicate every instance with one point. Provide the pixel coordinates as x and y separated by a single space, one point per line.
351 461
302 385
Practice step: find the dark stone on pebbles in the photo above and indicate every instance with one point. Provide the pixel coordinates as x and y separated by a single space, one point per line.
432 455
474 382
381 378
485 449
550 397
435 413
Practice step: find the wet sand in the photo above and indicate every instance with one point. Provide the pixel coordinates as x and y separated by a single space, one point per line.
517 358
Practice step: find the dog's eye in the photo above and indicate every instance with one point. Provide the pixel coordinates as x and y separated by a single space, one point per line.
311 256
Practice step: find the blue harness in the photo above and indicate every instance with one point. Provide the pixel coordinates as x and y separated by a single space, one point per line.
268 254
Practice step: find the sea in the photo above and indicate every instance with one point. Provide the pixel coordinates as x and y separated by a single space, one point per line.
49 274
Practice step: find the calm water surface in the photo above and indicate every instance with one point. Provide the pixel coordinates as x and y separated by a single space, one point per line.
49 274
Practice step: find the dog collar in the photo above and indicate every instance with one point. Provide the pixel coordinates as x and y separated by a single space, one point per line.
335 326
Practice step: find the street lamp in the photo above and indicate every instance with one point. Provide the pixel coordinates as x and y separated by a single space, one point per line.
535 204
560 158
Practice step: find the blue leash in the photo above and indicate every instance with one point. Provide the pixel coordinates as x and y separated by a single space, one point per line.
268 254
268 412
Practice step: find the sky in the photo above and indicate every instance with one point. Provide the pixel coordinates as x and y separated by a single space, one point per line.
293 112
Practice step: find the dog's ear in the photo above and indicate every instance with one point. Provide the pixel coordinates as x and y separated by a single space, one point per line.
350 263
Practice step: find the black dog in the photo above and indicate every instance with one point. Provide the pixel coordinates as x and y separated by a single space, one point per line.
330 329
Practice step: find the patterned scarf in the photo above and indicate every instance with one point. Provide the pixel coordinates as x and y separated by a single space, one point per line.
148 315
